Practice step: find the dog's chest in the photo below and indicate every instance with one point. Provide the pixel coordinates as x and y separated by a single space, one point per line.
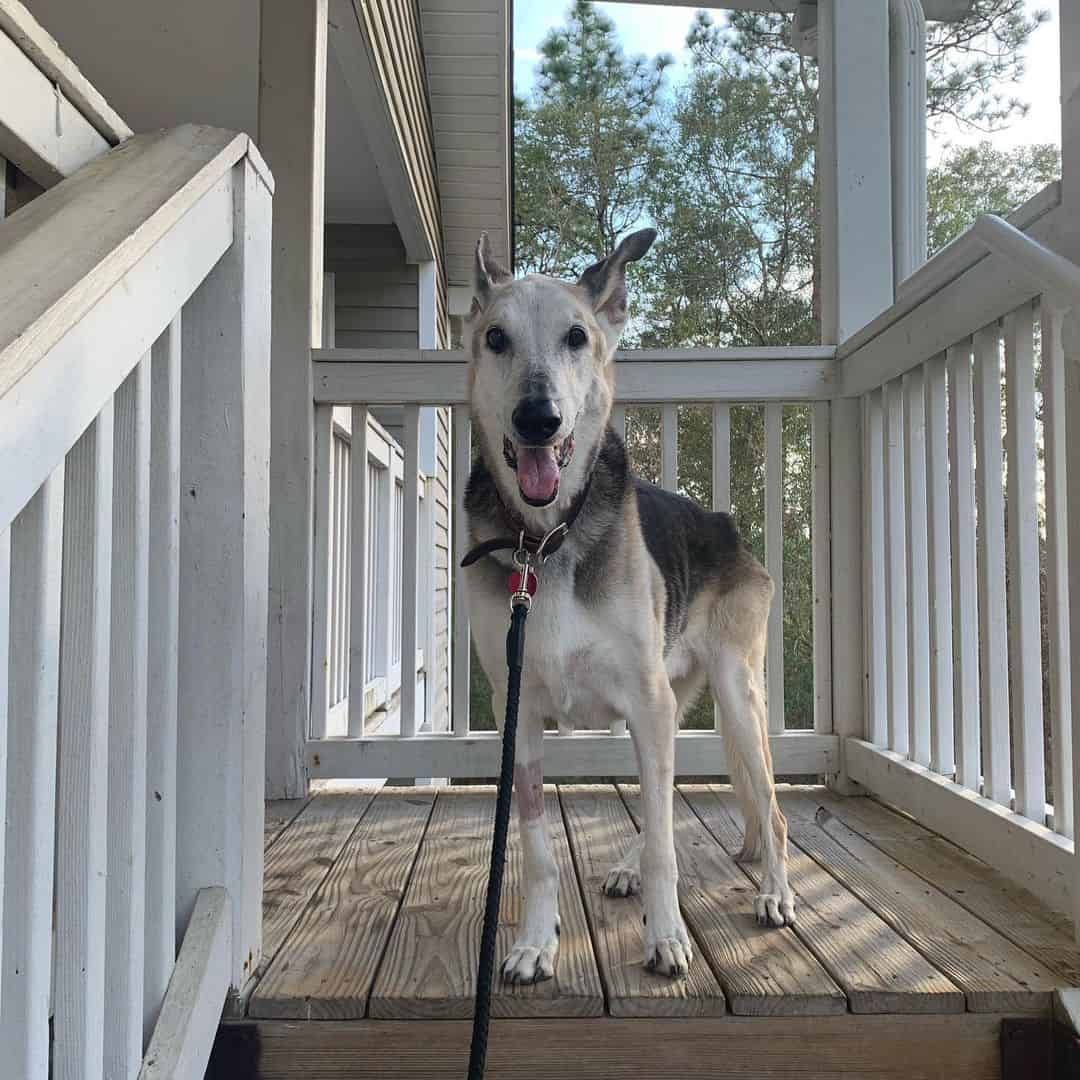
579 659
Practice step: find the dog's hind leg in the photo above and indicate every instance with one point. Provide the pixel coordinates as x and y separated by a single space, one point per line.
532 956
624 878
737 687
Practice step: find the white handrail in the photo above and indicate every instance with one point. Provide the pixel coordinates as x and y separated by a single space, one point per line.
1058 277
74 257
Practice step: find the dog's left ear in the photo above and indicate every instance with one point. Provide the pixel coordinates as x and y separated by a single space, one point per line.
605 282
488 272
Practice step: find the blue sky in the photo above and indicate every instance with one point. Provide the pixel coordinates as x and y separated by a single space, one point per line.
654 29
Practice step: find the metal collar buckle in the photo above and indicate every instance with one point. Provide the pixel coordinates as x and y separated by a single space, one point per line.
527 562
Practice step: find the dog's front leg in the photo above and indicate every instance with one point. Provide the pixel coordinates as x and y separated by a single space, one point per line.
532 957
667 943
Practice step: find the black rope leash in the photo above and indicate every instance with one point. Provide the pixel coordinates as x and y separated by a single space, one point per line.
515 655
529 553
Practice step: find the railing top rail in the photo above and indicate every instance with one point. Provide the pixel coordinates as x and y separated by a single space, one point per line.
762 353
67 248
945 266
42 49
414 376
90 274
1058 277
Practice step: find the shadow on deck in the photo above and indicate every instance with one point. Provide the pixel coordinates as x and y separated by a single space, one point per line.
907 957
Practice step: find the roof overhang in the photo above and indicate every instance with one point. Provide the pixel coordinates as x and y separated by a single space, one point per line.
467 52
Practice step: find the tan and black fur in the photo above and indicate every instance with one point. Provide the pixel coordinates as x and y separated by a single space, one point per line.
649 598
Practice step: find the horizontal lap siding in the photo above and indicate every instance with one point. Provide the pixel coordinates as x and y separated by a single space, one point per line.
375 290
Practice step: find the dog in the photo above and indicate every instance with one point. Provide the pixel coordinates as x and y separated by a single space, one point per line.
646 599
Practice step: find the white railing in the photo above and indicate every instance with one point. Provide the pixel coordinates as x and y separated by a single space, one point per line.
961 523
134 444
370 379
380 568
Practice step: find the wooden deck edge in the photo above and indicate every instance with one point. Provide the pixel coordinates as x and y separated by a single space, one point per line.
884 1047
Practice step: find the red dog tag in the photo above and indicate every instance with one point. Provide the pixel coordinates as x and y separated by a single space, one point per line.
514 582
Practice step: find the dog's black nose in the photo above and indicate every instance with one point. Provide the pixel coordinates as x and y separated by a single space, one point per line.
536 419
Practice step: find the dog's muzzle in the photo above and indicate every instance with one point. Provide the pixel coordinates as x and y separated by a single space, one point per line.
538 467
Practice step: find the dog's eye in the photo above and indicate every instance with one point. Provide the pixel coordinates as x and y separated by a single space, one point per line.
496 340
577 337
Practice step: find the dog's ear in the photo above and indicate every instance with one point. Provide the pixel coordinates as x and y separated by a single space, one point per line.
488 272
605 282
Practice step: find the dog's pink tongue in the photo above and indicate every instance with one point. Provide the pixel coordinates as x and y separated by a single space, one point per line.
537 472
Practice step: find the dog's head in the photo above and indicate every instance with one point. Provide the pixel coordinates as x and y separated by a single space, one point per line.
542 371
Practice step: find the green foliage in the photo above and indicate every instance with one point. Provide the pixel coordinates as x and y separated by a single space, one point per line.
584 143
974 180
971 63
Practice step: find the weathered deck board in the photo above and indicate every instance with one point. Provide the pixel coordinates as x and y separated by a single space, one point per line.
600 831
1013 911
278 814
300 859
327 965
764 972
879 971
429 969
994 974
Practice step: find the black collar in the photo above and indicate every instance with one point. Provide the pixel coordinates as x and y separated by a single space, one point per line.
522 536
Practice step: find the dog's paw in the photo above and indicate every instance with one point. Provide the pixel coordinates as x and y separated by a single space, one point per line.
669 952
531 961
623 881
775 908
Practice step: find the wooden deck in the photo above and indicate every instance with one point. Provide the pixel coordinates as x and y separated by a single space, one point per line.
373 907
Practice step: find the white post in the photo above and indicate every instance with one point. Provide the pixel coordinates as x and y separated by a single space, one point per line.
224 526
1070 340
126 887
162 671
31 781
428 338
1069 16
856 283
82 827
907 77
292 123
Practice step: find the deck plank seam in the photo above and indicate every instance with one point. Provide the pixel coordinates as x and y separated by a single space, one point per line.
285 825
575 862
392 926
266 962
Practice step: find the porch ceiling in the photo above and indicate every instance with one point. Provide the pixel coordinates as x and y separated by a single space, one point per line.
466 46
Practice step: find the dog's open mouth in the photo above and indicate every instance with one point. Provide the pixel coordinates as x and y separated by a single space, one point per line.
538 468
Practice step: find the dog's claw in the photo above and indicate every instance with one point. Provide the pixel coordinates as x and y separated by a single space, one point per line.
622 881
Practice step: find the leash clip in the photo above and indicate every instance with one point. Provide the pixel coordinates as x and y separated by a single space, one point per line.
523 577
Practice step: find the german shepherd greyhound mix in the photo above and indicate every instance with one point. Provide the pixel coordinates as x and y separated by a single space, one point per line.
647 599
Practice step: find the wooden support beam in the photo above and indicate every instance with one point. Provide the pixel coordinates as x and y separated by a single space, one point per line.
292 122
